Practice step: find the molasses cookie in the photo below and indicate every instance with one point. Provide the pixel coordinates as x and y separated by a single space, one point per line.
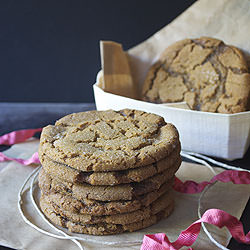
205 73
66 173
108 140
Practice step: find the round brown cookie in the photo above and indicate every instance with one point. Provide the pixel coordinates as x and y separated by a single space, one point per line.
103 228
124 218
139 174
106 193
108 140
99 208
206 73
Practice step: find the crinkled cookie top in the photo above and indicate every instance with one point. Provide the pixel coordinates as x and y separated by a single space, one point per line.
205 73
109 140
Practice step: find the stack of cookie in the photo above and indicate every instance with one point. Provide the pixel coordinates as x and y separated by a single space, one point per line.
108 172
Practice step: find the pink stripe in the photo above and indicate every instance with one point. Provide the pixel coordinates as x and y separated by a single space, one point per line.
32 160
191 187
187 237
18 136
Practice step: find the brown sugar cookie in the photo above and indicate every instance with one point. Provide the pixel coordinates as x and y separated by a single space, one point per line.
205 73
88 207
106 193
108 140
103 228
123 218
66 173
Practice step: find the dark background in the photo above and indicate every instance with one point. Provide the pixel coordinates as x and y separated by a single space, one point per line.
49 50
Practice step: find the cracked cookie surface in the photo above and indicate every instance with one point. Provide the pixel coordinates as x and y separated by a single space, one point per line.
103 228
106 193
139 174
122 218
86 206
205 73
108 140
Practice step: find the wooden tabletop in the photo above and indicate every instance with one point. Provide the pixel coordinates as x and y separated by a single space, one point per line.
16 116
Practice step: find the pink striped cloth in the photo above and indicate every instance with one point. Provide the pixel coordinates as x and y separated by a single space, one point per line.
187 237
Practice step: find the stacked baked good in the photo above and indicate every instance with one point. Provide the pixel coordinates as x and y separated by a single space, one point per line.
108 172
205 73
